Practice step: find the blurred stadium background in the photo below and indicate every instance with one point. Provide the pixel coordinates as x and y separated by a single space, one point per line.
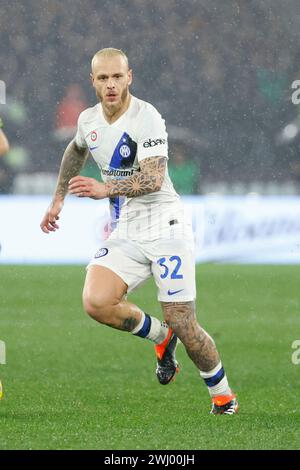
221 74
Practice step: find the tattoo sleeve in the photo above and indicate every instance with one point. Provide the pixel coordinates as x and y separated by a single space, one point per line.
148 180
73 160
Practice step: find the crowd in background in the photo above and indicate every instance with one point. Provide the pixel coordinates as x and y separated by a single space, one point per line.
219 72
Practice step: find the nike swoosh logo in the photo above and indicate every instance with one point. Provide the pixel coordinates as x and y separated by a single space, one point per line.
174 291
93 148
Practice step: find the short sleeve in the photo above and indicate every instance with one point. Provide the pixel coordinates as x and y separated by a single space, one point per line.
152 135
79 137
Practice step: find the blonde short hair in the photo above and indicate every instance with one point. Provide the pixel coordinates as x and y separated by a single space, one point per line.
109 52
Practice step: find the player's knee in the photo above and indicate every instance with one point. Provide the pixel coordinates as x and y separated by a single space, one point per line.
180 317
98 307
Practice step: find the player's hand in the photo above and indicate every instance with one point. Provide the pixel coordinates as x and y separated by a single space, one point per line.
82 186
48 223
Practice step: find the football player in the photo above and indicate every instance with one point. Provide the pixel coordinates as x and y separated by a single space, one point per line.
150 236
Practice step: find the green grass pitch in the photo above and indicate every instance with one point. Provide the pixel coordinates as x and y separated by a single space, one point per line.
70 383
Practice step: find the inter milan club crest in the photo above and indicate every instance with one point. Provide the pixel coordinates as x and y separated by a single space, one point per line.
101 252
94 136
125 151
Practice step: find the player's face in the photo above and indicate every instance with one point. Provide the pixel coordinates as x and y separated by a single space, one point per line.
111 79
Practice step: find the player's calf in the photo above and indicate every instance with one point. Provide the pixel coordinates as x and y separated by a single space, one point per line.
125 316
202 350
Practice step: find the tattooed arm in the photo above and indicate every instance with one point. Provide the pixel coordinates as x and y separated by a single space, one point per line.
72 162
148 180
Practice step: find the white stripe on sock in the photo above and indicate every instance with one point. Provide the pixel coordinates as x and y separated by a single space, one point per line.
222 388
211 373
140 325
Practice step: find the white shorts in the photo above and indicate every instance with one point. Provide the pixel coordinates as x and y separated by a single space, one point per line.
171 262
